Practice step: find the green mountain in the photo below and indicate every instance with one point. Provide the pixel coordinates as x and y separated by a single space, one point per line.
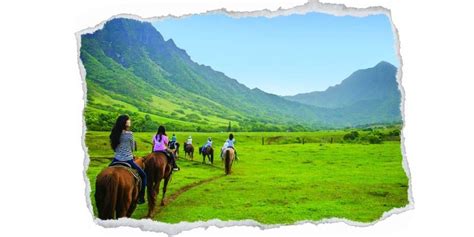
373 92
376 83
131 69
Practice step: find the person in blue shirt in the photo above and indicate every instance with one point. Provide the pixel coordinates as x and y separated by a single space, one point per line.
173 138
172 143
229 143
208 144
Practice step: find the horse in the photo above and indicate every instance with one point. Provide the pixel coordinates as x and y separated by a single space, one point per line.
174 148
157 168
209 152
116 191
229 159
189 150
176 151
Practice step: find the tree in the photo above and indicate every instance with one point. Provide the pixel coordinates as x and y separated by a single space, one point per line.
229 127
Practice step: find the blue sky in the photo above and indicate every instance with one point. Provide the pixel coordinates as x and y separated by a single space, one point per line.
284 55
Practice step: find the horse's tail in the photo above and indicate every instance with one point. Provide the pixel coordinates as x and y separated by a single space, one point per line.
106 196
212 155
227 161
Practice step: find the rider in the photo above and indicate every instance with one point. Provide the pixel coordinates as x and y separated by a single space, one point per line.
173 138
121 140
189 141
229 143
208 144
159 144
172 143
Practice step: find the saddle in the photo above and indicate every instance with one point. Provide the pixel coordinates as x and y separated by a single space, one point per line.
128 167
121 163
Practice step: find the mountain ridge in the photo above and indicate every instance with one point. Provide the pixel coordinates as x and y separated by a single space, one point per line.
130 62
377 82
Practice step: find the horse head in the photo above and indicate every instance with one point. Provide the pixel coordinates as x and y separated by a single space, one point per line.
140 161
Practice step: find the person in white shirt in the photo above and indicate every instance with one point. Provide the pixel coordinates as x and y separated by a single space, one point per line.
189 141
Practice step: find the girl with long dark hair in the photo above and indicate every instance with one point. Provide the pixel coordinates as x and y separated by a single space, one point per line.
160 144
122 142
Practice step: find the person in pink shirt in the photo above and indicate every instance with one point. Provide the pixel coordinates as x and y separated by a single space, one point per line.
160 144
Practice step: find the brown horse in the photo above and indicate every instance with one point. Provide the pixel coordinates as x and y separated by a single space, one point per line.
116 191
209 152
157 168
229 159
188 150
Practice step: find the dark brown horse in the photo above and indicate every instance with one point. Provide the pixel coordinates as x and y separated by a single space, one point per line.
188 150
157 168
116 191
209 152
174 148
228 159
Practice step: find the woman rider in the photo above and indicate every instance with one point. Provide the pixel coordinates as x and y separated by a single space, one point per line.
229 143
159 144
121 140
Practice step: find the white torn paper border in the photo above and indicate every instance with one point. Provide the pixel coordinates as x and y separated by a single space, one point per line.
310 6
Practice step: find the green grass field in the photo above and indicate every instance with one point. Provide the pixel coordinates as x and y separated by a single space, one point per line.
282 181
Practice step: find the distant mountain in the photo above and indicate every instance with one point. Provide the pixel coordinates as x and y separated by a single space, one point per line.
373 91
376 83
131 69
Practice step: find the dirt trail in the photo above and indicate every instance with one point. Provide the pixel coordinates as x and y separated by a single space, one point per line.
180 191
175 195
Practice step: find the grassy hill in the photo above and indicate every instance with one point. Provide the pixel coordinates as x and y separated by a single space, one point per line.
131 69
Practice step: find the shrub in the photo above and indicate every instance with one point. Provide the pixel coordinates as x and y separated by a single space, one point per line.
395 132
374 139
351 136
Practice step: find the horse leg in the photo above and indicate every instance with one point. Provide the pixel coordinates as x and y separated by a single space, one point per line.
131 209
129 204
133 204
227 162
151 194
165 185
123 203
